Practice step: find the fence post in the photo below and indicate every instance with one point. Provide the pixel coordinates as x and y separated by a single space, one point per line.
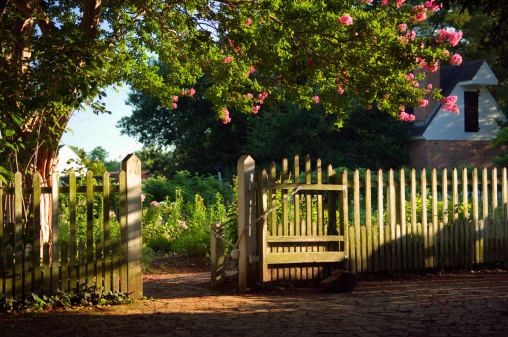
131 165
246 212
217 254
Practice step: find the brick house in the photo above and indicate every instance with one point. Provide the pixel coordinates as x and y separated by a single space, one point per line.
445 140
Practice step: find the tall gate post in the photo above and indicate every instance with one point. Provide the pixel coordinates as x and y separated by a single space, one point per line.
247 272
131 165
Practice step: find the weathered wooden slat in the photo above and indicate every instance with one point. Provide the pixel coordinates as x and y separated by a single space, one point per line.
98 265
106 231
304 257
392 216
320 223
18 235
363 240
123 232
420 241
380 207
64 277
27 275
311 272
433 236
476 225
36 233
484 241
414 230
73 251
455 195
402 216
343 211
424 219
306 239
495 211
285 214
398 233
273 217
331 226
352 250
89 230
9 272
262 200
446 236
306 187
55 268
368 221
82 266
46 270
356 200
116 265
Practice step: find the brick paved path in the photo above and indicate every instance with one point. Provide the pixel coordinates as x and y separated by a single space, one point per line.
474 304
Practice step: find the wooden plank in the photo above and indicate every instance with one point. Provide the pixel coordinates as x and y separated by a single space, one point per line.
98 265
476 225
64 277
424 219
307 187
363 241
414 229
356 200
420 238
375 241
455 195
441 240
352 250
46 270
89 230
433 236
18 236
331 226
297 220
285 214
37 259
27 275
306 239
320 214
399 245
368 224
446 238
82 266
73 251
122 254
392 216
116 265
308 221
9 272
388 250
304 257
273 217
380 208
106 231
262 226
404 232
343 212
303 248
55 268
495 212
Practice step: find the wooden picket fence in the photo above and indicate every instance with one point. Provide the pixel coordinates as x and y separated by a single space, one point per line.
373 222
109 265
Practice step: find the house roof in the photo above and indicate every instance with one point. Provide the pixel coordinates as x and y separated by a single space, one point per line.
448 78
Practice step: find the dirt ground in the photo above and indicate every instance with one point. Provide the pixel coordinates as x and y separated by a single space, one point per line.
180 301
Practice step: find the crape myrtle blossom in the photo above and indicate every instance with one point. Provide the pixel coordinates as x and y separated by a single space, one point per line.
403 27
248 22
404 116
225 116
431 6
451 36
255 109
346 20
456 59
423 103
420 13
449 104
315 99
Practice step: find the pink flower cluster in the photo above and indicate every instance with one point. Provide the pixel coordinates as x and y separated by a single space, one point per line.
449 104
399 3
423 103
431 6
411 78
190 92
420 13
248 22
227 59
369 1
262 96
255 109
346 20
425 66
251 70
404 116
451 36
403 27
225 116
315 99
385 2
456 59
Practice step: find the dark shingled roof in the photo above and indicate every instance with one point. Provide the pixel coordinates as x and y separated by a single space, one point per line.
449 77
452 75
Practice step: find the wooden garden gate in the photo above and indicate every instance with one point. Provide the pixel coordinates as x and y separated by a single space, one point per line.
285 231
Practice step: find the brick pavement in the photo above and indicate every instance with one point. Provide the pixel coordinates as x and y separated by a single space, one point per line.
474 304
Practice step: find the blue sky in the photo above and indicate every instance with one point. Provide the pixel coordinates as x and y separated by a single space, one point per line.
91 130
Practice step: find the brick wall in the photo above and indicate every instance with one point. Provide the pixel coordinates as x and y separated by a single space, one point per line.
421 114
448 154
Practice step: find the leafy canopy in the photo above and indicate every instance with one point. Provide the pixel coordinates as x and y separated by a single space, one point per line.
58 56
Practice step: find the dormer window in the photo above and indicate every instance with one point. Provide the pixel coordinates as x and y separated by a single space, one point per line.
471 111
